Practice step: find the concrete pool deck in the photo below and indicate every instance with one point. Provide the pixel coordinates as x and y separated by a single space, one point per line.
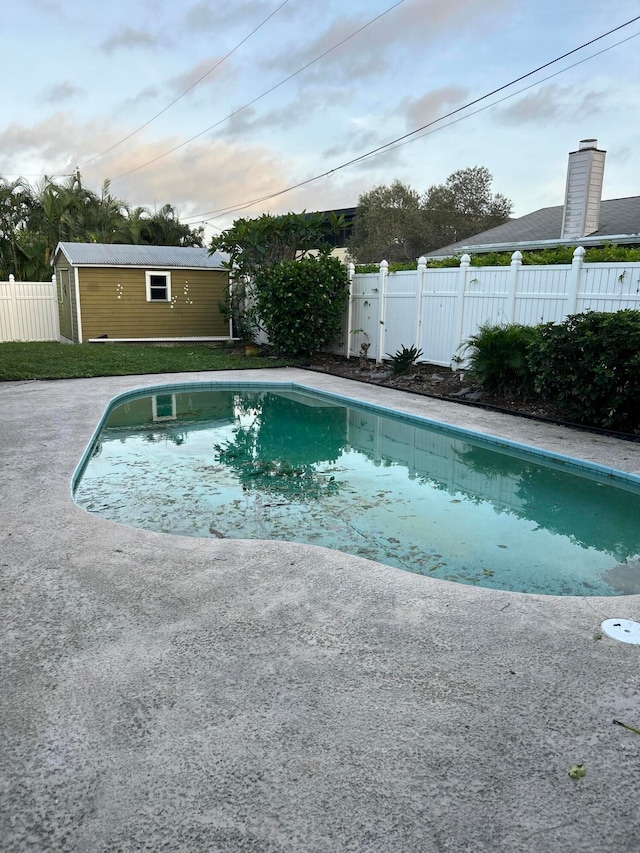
165 693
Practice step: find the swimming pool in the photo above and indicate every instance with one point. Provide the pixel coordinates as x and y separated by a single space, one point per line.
275 461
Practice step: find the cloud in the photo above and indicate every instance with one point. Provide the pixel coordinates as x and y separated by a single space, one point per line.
365 133
420 111
415 25
552 102
356 139
204 68
46 142
208 15
207 176
141 99
293 113
210 174
129 38
60 92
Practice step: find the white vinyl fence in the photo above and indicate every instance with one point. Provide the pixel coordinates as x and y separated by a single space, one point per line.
29 311
437 310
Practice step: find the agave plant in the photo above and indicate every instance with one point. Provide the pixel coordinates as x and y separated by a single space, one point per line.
404 359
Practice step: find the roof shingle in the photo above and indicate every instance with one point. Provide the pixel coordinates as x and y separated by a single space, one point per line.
618 217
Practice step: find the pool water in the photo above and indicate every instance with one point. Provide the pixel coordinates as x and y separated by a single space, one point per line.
265 462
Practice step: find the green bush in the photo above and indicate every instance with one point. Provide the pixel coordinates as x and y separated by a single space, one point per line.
301 303
497 358
545 257
589 368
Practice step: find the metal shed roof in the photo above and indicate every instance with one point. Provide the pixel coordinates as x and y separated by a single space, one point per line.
120 255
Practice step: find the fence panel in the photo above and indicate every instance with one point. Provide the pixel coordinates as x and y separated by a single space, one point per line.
437 310
609 287
364 314
434 456
439 315
485 299
29 311
401 311
542 295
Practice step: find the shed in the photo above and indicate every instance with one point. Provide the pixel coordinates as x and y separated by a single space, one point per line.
140 293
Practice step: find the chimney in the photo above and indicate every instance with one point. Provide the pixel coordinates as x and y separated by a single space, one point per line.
584 191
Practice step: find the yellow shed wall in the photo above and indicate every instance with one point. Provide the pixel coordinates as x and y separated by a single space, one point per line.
113 302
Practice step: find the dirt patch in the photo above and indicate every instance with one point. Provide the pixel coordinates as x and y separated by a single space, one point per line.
430 380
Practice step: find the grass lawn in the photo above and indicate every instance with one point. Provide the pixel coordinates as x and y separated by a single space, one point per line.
51 360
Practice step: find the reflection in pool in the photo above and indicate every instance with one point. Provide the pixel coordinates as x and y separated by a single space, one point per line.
269 463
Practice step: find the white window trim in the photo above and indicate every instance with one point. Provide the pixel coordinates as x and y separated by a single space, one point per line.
154 408
147 278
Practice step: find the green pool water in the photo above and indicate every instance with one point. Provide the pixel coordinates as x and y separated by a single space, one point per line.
262 462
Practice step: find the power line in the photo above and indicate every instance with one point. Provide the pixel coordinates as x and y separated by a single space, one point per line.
393 147
263 95
394 142
186 91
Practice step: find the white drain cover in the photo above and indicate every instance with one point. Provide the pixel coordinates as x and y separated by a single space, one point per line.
624 630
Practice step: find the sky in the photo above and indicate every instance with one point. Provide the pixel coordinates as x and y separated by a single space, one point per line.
109 87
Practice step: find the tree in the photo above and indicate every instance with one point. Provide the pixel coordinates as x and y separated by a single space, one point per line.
389 225
394 223
463 206
162 228
266 240
34 220
16 206
258 244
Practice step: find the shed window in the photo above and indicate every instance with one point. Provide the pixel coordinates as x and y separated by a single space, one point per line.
163 407
158 286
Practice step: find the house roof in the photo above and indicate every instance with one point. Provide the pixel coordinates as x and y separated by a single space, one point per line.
120 255
619 223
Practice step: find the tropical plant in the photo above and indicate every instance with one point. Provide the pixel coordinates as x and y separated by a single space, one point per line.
301 303
255 244
34 220
497 357
16 206
162 228
404 359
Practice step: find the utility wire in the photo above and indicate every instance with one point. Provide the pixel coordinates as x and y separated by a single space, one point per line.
186 91
394 142
393 147
259 97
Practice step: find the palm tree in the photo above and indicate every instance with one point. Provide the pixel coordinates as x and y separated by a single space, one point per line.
16 206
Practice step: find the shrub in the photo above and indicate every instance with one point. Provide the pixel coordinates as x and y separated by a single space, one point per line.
301 303
497 358
404 359
589 368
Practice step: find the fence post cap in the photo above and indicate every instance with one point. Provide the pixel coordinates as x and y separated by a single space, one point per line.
384 265
11 278
465 259
422 261
580 252
517 256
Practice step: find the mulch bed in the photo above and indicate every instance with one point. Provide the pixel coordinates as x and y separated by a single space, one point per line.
432 380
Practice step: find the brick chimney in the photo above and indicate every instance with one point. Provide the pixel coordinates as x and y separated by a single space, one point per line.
584 191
